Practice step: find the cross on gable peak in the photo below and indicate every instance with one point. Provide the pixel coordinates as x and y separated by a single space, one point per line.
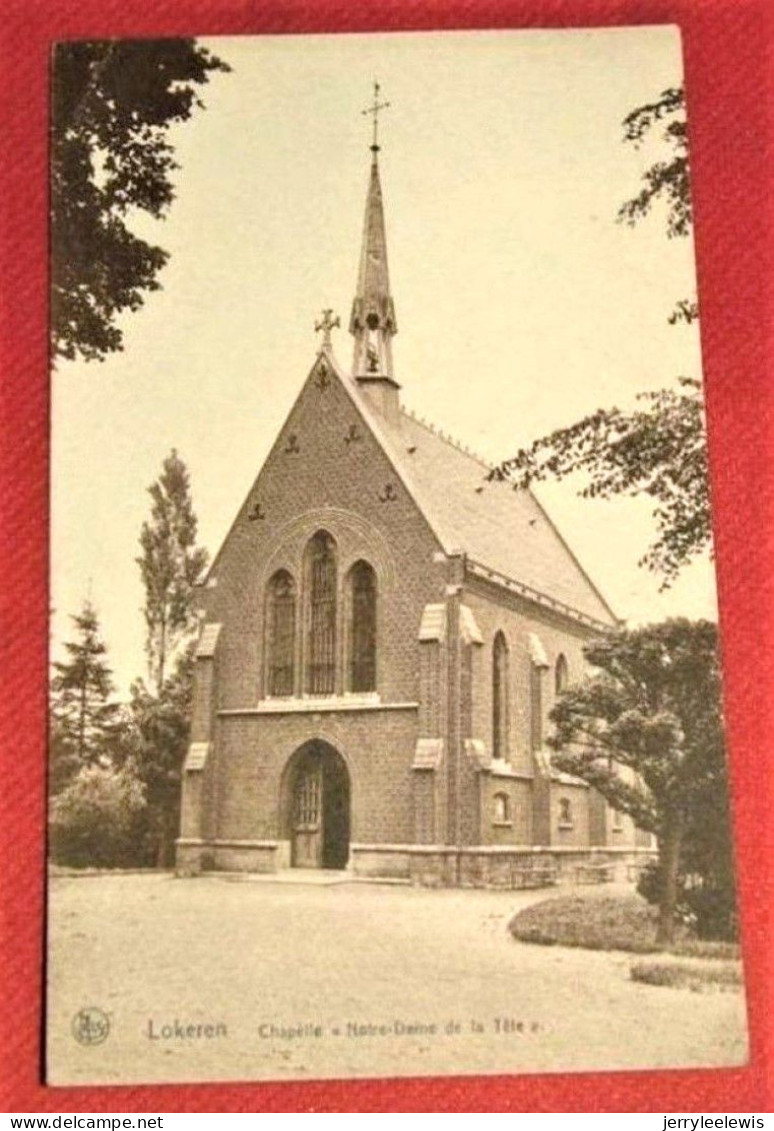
328 322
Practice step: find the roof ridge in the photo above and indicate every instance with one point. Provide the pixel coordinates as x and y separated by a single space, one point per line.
452 442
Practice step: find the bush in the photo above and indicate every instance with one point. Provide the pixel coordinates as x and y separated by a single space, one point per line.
705 902
95 822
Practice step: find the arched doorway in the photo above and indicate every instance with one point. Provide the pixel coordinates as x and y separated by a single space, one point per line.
319 803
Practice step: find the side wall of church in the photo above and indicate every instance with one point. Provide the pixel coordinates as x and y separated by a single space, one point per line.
501 612
497 611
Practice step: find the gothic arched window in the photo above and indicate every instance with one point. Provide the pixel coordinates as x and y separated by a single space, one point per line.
501 809
500 697
320 574
281 634
561 674
361 659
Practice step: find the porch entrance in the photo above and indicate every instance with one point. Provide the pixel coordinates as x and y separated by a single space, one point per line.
320 803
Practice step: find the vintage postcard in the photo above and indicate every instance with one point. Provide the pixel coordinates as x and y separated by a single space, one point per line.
386 734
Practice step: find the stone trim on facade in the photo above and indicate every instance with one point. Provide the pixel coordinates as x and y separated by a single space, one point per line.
433 623
537 652
330 704
196 758
208 641
469 630
428 754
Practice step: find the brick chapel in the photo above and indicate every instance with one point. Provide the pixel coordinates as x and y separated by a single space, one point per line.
385 632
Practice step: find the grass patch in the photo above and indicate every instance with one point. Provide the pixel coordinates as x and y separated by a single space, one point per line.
610 922
697 976
594 922
704 948
607 922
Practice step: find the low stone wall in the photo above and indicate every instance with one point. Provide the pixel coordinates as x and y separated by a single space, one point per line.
196 856
496 866
482 866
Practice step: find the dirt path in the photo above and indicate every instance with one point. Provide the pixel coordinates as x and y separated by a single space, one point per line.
294 981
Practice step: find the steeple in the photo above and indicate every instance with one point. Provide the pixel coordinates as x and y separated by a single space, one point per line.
372 322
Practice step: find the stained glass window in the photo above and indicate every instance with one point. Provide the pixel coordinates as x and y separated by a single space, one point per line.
321 638
362 629
500 697
561 676
282 634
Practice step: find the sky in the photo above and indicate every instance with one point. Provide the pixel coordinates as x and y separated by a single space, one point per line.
521 304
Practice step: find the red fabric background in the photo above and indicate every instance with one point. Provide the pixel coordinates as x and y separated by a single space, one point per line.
726 44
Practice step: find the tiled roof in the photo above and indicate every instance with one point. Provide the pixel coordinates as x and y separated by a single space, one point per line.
505 530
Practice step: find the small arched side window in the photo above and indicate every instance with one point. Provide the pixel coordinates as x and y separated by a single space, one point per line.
561 674
320 578
361 665
281 634
500 697
501 809
565 812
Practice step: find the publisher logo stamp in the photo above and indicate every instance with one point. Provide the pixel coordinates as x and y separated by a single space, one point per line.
90 1026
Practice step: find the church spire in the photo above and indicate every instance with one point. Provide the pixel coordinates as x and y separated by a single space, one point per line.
372 322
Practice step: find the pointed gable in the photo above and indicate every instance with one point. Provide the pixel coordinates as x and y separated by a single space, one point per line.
505 534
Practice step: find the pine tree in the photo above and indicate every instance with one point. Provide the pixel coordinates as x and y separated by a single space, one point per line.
82 716
170 566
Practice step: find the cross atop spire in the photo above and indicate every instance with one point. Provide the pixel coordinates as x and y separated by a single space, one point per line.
374 110
372 322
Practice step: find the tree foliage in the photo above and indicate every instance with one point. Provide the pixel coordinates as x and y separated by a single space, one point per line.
170 565
659 448
158 745
94 822
645 730
666 180
83 717
113 102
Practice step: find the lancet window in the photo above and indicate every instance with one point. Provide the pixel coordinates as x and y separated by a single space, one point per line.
362 628
281 634
320 572
561 674
500 697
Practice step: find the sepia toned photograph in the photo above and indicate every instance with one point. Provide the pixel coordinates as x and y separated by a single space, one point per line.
385 707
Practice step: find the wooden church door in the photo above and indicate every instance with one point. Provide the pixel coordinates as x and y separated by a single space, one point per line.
308 816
